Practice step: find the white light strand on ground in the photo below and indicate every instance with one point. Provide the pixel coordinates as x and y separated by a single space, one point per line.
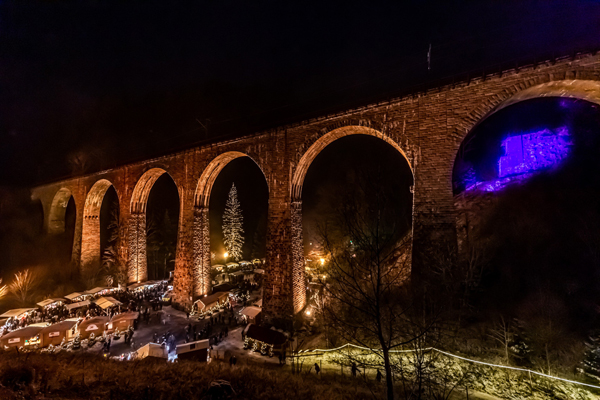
461 358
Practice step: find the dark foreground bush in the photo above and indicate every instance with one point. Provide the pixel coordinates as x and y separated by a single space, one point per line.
81 376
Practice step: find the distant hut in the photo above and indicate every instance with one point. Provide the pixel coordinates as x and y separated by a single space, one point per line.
21 337
95 325
54 334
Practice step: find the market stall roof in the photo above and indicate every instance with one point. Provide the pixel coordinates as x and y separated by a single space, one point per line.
258 303
244 262
17 312
218 266
47 302
26 333
125 316
259 271
251 311
237 273
97 290
78 304
105 302
59 327
152 350
265 335
211 300
74 295
232 265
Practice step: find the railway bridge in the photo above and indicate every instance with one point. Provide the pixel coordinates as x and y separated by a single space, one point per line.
427 128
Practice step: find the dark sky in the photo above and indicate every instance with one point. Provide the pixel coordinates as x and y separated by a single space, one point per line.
121 81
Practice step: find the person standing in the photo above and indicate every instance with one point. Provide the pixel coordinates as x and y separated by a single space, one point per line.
354 369
317 368
379 376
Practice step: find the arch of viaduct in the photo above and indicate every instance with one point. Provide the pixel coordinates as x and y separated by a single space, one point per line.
426 128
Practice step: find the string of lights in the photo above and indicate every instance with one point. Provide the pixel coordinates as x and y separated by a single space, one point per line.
458 357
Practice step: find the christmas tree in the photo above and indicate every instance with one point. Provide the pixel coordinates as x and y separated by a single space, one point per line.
232 226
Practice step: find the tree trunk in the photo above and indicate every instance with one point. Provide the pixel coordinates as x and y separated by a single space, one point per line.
388 374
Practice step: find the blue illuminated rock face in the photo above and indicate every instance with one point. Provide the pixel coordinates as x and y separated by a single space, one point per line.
524 155
533 151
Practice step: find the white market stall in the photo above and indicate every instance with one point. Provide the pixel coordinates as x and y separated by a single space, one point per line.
21 337
79 304
193 351
212 302
17 313
107 302
95 325
51 302
75 296
54 334
123 321
152 350
251 314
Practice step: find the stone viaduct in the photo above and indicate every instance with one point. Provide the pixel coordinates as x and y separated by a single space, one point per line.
426 128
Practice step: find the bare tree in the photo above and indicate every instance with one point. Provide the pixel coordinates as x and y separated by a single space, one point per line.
23 286
3 290
368 297
502 332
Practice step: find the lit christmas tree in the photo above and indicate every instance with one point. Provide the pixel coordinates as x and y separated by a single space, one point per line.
232 226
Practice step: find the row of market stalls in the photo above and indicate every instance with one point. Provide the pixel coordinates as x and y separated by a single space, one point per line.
43 334
240 264
77 300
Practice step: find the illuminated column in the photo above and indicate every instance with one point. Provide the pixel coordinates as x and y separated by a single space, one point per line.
137 270
90 248
201 259
298 268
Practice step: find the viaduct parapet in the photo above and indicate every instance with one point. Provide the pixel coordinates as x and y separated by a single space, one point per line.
426 128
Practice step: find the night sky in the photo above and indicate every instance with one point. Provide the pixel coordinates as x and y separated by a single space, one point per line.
123 81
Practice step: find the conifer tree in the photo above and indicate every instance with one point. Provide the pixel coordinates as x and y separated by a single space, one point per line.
232 226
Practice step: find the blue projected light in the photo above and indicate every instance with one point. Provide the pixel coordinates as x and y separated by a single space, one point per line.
533 151
525 154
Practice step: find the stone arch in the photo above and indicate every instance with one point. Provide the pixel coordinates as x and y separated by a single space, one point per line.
210 174
58 209
139 198
201 244
90 237
298 273
138 263
588 90
326 140
467 206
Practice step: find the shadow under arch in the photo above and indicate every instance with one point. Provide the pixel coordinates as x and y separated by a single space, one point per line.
137 269
201 244
58 208
324 141
90 236
298 268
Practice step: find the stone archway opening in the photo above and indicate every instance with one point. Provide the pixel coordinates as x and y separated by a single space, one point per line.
137 270
211 195
58 208
61 224
101 197
332 165
162 222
